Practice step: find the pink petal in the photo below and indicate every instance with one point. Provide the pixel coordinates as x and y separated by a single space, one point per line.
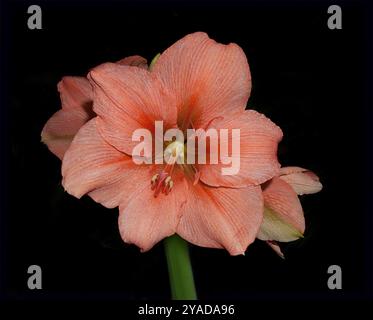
92 166
283 214
208 78
221 217
77 108
276 248
146 220
259 138
301 180
75 93
129 98
136 61
60 129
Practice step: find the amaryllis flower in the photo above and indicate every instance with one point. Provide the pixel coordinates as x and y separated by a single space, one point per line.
77 108
283 219
196 83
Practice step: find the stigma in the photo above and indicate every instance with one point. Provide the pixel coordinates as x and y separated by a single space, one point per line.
174 153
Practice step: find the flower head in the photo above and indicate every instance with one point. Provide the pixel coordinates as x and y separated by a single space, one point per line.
196 83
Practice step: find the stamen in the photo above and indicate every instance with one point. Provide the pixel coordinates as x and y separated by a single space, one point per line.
162 182
169 187
154 181
167 181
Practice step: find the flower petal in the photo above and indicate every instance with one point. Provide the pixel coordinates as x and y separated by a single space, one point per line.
301 180
75 93
276 248
60 129
259 138
92 166
146 220
136 61
128 98
209 79
221 217
283 214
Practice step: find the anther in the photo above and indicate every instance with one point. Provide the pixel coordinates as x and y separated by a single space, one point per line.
168 179
154 181
169 186
161 183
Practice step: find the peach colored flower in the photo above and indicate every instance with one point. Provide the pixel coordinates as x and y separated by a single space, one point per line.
76 99
283 219
196 83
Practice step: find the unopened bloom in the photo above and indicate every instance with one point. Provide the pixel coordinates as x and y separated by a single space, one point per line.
196 83
283 219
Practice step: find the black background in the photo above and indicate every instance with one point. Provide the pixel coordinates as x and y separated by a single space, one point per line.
315 83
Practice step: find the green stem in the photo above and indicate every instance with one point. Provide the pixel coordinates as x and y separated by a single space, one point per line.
179 269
